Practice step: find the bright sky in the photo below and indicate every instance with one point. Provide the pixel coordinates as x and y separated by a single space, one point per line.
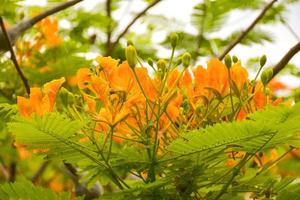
182 9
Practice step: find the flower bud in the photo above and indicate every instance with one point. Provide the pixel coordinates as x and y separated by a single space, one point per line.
186 60
263 60
173 39
227 61
150 62
129 42
235 59
266 75
161 65
178 61
131 56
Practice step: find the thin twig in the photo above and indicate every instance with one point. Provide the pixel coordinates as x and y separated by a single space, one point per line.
245 32
285 59
13 57
139 15
286 24
22 26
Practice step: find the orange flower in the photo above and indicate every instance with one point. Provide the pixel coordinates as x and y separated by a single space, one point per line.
276 85
217 75
40 102
107 63
83 78
49 28
122 78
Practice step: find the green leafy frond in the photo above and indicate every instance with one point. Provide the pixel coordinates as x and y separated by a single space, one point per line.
55 133
209 16
7 111
24 189
291 192
262 130
256 36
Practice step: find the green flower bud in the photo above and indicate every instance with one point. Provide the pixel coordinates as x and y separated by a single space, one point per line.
266 76
178 61
228 61
186 60
235 59
263 60
150 62
174 39
131 56
161 65
198 109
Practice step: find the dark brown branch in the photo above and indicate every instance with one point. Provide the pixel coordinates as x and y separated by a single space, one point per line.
109 31
13 57
22 26
285 59
12 172
40 171
245 32
81 188
139 15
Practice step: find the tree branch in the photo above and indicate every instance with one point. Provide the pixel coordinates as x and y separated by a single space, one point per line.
108 33
139 15
40 171
285 59
22 26
13 57
245 32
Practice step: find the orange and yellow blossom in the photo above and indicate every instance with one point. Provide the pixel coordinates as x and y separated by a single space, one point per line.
40 101
49 29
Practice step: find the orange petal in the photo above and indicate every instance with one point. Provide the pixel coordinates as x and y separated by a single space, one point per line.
239 75
91 103
51 89
186 79
201 79
122 77
83 78
36 100
107 63
24 106
275 85
217 75
173 76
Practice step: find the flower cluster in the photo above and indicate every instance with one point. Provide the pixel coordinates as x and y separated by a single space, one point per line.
128 102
